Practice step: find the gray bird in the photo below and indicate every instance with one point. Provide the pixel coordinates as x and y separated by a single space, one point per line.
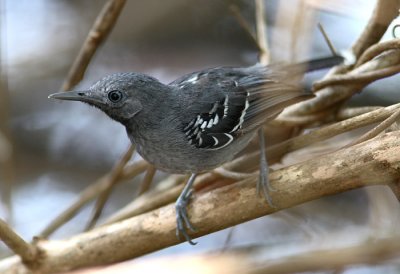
201 120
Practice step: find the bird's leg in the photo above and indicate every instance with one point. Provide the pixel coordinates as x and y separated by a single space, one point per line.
263 181
182 219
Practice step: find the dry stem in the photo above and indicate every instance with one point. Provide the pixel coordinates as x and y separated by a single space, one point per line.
98 33
147 180
90 193
249 261
26 251
262 39
384 13
330 96
113 176
373 162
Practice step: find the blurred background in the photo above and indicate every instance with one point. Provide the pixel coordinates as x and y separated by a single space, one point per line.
59 148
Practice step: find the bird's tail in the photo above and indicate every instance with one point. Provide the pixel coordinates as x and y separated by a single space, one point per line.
317 64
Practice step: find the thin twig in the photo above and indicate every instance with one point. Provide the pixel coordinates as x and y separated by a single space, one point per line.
7 164
147 180
350 112
113 176
90 193
98 33
26 251
363 79
376 130
297 30
377 49
327 40
244 24
262 32
233 175
335 95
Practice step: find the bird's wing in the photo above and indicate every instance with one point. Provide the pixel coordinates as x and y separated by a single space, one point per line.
227 102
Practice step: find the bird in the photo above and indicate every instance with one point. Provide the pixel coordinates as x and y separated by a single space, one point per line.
201 120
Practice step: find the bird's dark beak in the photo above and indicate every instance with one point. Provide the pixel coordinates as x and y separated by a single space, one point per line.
82 96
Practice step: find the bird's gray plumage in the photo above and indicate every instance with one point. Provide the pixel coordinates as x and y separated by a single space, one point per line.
199 121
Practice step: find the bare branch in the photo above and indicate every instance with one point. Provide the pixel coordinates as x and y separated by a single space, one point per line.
384 13
90 193
373 162
99 32
330 96
262 32
244 24
377 49
113 176
253 261
147 180
376 130
357 79
26 251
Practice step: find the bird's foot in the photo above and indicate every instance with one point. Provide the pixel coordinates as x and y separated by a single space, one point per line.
182 219
264 184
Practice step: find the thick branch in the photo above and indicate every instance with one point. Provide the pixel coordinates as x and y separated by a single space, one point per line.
373 162
253 261
384 13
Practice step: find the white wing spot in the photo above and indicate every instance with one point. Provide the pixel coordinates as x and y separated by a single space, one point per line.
210 123
246 106
214 108
226 108
216 119
203 126
192 80
215 141
230 139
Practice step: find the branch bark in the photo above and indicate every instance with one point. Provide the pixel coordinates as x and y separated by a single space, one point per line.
384 13
371 163
253 260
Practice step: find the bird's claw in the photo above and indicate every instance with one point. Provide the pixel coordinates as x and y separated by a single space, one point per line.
264 184
182 218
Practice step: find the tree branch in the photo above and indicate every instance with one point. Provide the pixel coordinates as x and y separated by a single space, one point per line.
373 162
26 251
98 33
384 13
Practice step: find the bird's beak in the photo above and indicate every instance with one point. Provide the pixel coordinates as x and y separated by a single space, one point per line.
82 96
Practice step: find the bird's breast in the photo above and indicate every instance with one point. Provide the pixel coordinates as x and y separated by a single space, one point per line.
173 153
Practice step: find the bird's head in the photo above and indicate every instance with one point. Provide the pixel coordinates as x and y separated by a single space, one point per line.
121 96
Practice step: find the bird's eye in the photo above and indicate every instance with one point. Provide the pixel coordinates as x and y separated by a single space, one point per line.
115 96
